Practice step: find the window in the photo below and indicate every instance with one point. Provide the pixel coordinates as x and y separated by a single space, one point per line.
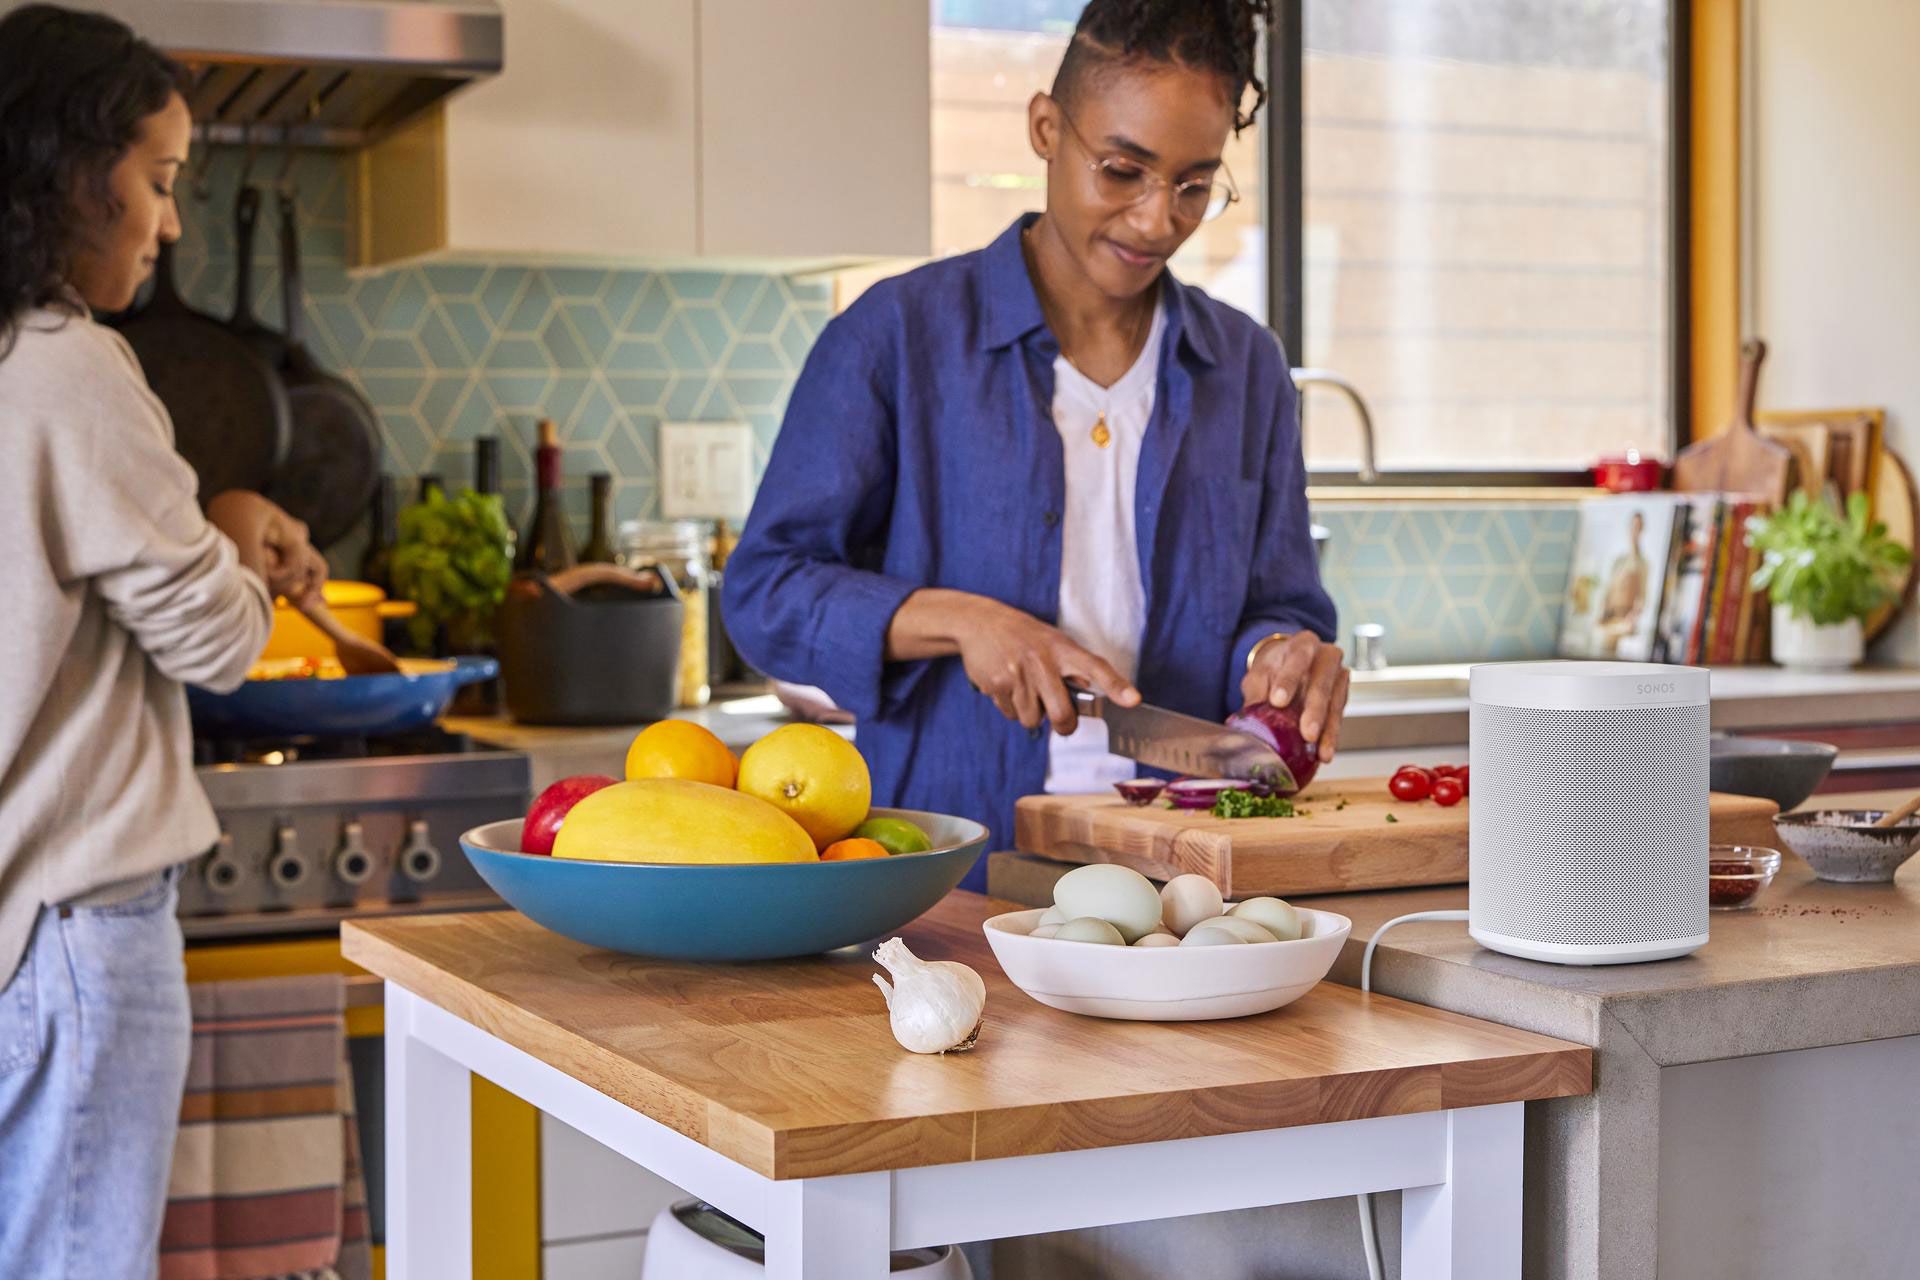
989 58
1485 229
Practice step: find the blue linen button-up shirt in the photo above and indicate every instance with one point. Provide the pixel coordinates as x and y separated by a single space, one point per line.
919 450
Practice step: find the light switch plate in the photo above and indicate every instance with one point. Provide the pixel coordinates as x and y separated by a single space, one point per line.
706 470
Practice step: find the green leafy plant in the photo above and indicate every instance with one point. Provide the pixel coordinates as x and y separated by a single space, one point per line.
1822 565
452 560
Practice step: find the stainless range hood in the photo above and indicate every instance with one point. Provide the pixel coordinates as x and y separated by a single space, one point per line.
336 73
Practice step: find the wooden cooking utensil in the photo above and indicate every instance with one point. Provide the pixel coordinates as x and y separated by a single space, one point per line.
358 656
1738 460
1895 817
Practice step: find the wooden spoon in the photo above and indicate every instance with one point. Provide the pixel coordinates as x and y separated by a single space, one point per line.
358 656
1897 816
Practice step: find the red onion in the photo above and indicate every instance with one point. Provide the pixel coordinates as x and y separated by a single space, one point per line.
1200 793
1279 728
1140 791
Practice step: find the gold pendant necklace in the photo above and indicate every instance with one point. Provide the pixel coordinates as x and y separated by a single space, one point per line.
1101 435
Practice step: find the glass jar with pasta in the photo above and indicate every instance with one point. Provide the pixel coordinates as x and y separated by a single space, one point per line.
679 548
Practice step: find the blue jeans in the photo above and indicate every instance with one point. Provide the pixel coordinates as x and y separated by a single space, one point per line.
94 1033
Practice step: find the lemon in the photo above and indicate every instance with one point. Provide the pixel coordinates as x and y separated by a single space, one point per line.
814 776
680 749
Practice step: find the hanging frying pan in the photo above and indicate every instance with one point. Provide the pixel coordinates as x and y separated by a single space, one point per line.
332 461
246 219
229 411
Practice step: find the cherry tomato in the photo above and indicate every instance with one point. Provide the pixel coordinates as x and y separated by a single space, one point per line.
1461 778
1445 770
1447 792
1409 785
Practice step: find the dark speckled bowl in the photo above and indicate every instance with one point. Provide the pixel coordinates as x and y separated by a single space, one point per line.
1844 845
1776 769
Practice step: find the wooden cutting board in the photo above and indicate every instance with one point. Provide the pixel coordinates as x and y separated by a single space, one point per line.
1738 460
1343 841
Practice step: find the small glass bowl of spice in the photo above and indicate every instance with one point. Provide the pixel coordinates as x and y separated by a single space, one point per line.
1736 873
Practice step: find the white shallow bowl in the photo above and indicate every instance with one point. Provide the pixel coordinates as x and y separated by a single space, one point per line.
1165 984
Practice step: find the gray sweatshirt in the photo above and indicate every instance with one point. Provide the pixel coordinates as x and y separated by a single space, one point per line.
117 592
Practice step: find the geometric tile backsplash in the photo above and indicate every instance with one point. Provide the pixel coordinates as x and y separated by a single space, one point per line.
450 352
447 353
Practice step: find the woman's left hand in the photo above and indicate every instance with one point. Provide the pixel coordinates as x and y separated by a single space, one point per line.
1306 672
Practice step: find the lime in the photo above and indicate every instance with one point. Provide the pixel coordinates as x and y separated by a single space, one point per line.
896 835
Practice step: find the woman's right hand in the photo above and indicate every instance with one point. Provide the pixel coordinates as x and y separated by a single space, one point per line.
1012 657
271 543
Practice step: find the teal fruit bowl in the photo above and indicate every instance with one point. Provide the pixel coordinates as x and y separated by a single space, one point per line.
744 911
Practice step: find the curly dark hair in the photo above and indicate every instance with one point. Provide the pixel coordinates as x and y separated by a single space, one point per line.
74 88
1221 36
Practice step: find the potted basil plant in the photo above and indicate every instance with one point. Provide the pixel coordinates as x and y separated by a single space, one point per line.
1826 571
453 559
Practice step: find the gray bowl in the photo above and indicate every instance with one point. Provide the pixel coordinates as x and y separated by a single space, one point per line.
1777 769
1844 845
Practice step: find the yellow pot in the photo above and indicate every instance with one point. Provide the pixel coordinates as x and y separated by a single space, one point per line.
360 606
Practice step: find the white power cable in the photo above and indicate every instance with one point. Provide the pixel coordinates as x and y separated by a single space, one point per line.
1369 1238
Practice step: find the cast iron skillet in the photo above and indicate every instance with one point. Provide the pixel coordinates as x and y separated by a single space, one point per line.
229 410
332 462
246 218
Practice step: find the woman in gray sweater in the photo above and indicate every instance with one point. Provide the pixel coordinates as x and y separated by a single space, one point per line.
118 590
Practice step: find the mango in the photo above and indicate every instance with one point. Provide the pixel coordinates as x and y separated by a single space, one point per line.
676 820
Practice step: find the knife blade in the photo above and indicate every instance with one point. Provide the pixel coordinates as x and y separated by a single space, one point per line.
1186 744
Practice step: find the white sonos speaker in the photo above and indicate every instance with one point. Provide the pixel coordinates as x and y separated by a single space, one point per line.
1587 827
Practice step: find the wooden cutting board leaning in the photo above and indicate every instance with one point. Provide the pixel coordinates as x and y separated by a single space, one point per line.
1350 834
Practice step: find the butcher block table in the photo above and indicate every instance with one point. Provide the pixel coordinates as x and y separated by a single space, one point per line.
776 1092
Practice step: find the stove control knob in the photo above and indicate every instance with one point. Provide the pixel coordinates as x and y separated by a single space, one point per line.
351 861
288 866
221 870
419 860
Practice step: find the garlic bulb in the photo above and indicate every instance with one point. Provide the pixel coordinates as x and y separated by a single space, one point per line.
934 1006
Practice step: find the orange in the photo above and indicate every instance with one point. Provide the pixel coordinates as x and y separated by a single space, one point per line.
814 776
680 749
848 850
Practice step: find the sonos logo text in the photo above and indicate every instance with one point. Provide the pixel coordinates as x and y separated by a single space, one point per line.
1654 686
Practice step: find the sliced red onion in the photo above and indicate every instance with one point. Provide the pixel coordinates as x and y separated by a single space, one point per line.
1140 791
1279 728
1200 793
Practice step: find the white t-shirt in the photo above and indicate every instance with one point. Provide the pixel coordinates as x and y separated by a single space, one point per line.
1103 603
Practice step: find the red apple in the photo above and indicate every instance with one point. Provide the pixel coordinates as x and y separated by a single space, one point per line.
550 809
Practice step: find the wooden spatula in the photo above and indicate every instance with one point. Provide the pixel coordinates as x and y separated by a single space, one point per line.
1897 816
358 656
1738 460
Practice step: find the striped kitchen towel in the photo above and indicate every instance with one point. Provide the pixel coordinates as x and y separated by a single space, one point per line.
266 1180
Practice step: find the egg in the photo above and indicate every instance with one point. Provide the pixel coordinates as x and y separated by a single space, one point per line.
1158 940
1089 929
1211 934
1054 915
1245 930
1119 895
1271 914
1044 930
1187 900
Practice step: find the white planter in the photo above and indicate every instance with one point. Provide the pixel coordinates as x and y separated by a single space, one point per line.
1797 642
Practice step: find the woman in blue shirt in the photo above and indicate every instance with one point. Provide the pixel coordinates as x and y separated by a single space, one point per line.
1050 461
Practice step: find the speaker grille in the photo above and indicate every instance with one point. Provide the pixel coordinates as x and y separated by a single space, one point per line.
1589 828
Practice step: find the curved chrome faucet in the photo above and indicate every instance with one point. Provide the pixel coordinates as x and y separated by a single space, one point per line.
1328 378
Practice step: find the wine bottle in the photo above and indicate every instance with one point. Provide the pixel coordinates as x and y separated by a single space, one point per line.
376 562
429 481
548 544
486 464
599 548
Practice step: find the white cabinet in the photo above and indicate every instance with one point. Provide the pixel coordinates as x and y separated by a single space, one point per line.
664 131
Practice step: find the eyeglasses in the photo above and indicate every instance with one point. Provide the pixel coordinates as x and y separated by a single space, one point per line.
1123 183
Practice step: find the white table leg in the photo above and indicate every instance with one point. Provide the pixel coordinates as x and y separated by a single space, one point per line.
1468 1227
830 1228
429 1153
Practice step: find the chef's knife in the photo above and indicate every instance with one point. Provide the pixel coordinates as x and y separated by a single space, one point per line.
1185 744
